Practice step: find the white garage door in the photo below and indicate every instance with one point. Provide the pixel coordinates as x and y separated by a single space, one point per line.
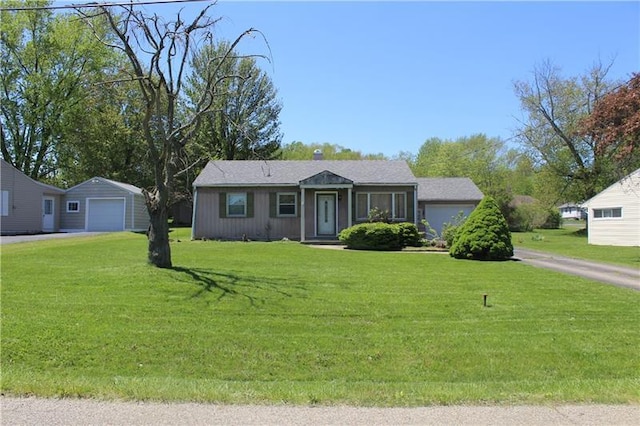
105 215
437 216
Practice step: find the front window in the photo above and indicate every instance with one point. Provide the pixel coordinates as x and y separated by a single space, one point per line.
73 206
395 203
612 213
237 204
287 204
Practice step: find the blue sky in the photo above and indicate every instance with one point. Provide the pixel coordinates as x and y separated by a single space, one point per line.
382 77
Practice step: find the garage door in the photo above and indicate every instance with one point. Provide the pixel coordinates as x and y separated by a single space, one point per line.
105 215
437 216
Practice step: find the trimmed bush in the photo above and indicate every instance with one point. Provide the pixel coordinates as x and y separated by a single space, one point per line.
372 236
484 235
409 235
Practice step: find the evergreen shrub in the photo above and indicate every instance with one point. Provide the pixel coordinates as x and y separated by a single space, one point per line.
372 236
409 235
484 235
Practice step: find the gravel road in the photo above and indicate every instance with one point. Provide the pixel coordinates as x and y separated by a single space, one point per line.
50 412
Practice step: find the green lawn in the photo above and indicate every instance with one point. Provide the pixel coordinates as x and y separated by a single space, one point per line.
572 241
287 323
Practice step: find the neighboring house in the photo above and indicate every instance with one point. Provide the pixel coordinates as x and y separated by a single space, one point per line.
614 214
441 199
100 204
301 200
27 206
572 211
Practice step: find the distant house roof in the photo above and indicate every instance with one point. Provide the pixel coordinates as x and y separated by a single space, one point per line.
448 189
273 173
124 186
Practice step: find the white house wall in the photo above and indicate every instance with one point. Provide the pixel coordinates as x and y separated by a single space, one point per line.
624 231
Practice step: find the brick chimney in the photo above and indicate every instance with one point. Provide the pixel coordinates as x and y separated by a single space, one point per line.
317 155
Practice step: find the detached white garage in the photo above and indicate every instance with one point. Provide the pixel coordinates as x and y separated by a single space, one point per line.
100 204
442 199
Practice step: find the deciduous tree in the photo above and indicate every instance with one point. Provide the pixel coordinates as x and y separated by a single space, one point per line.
243 123
159 52
47 64
614 124
554 107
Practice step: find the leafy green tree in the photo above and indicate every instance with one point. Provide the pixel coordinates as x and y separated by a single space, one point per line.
478 157
484 235
243 122
299 151
48 63
554 107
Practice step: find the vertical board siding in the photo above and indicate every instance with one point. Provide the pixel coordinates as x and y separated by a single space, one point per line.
209 224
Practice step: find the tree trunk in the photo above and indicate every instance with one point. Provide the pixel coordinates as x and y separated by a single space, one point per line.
158 234
157 203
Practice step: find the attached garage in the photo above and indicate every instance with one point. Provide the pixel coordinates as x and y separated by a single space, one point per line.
104 205
439 214
441 199
105 214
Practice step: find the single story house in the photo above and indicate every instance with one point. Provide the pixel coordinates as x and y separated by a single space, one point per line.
614 213
27 206
100 204
299 200
572 211
441 199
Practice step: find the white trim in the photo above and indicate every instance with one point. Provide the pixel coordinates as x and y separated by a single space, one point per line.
393 203
329 186
607 217
193 214
53 213
335 208
295 204
73 201
246 202
88 212
4 203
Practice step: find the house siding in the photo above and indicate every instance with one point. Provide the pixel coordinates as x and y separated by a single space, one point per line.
24 209
261 226
624 231
135 218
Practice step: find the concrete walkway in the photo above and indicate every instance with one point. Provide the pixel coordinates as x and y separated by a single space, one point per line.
34 411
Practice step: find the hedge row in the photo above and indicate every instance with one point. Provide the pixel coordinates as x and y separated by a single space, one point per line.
380 236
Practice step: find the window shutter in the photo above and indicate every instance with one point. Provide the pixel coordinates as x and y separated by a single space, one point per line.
273 204
299 200
410 207
223 204
249 204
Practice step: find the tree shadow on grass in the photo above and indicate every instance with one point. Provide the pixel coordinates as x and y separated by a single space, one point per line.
227 284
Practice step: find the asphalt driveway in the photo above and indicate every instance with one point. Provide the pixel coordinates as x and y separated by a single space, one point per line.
610 274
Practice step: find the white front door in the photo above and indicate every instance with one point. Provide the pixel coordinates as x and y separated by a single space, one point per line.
326 214
48 207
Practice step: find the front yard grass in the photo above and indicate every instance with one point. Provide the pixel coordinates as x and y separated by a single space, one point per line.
571 241
281 322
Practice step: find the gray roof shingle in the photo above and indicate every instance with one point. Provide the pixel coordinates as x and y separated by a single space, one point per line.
272 173
448 189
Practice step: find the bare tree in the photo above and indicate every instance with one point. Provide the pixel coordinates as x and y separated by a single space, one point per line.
159 52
